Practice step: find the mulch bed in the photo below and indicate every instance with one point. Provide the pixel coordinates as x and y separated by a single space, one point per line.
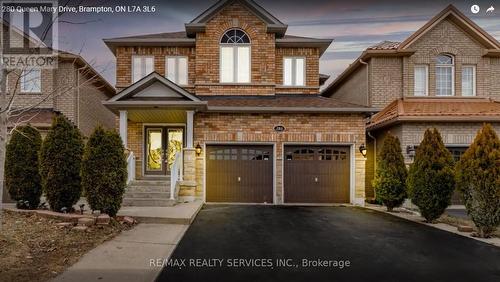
456 221
34 248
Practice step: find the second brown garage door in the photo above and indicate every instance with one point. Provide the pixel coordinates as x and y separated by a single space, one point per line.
316 174
239 174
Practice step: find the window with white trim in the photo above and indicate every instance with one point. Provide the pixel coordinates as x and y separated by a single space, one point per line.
235 57
31 81
421 78
445 75
141 66
177 69
468 80
294 71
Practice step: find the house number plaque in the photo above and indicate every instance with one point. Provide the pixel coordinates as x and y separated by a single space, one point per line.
279 128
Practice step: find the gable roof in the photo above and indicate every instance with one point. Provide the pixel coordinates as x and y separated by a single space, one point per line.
390 48
273 24
436 109
149 80
457 17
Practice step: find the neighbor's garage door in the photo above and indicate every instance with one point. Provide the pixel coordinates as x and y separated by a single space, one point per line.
239 174
316 174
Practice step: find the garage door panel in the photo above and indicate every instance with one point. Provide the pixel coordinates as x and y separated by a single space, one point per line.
316 174
243 174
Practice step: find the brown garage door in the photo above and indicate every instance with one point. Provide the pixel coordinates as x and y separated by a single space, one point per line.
316 174
239 174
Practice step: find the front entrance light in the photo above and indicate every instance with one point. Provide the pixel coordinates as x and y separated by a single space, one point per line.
198 150
362 150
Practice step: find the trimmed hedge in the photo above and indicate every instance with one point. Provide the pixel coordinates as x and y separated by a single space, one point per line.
431 176
22 175
390 177
61 157
104 171
478 178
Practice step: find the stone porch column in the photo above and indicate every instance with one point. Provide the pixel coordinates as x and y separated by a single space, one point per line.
124 127
187 187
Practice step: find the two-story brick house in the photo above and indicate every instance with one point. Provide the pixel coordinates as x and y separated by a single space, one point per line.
239 98
445 75
73 89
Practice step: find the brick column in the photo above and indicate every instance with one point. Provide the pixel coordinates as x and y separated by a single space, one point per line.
187 187
199 176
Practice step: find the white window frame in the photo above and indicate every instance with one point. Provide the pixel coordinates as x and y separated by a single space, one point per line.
426 89
294 71
133 67
23 82
176 72
452 67
235 60
474 86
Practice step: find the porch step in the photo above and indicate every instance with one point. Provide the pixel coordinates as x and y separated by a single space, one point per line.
147 202
148 195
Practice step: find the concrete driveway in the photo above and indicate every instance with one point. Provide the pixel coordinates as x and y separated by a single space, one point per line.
246 243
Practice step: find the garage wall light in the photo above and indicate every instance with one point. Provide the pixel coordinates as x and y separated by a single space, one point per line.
362 150
197 149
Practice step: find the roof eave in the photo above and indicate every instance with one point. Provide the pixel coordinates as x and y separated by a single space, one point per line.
322 44
223 109
401 119
112 44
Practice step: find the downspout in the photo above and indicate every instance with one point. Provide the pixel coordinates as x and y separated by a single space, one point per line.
369 134
78 96
367 81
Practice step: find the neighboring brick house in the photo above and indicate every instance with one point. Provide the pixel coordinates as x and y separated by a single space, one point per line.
445 75
73 88
240 100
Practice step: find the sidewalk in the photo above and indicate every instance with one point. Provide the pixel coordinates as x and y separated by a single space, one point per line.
133 255
128 256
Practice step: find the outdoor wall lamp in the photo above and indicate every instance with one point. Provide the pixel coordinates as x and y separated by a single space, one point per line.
410 151
362 150
198 150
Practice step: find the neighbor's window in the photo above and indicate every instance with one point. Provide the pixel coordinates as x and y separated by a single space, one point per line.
421 80
31 81
235 57
294 71
141 66
468 80
177 69
444 75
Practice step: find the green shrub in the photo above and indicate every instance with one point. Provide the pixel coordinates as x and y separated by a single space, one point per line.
391 173
22 175
104 171
478 178
61 158
431 176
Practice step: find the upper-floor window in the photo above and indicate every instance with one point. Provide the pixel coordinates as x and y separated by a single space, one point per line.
294 71
421 78
468 80
141 66
31 81
177 69
235 57
445 75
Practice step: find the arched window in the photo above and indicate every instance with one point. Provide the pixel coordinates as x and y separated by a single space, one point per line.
445 84
235 57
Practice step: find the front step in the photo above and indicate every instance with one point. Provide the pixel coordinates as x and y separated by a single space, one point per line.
147 202
148 193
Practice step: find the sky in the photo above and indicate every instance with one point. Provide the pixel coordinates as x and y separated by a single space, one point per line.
353 24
